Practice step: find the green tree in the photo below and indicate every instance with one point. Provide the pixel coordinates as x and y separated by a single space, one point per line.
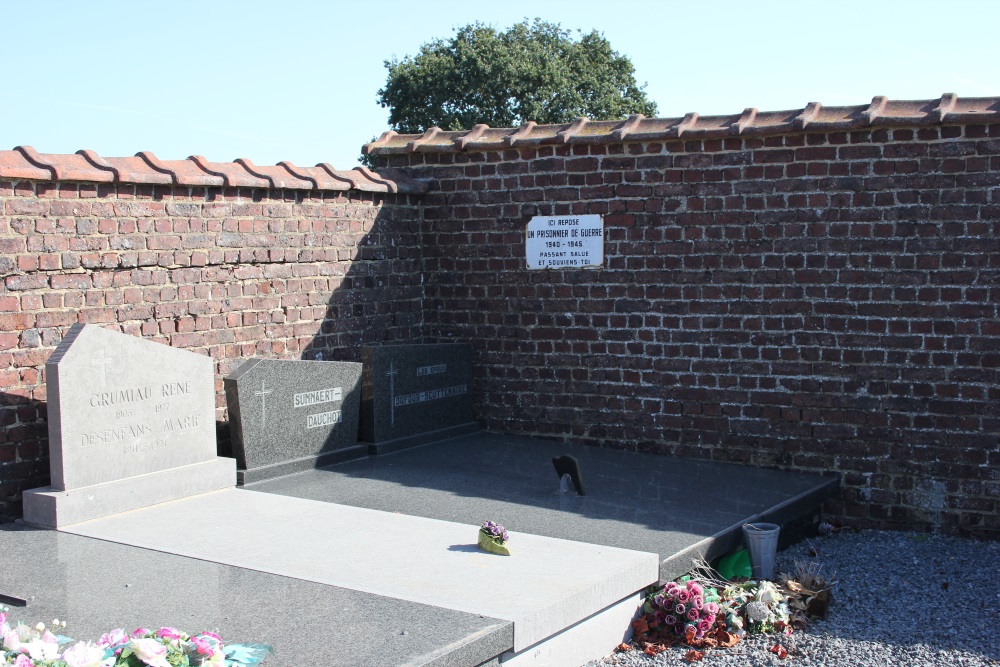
533 71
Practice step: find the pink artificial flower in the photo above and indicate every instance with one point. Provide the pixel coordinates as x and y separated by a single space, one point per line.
659 600
49 637
693 614
670 586
712 608
211 635
140 632
695 588
150 651
168 633
683 596
710 619
670 619
116 637
3 618
679 629
699 634
704 625
697 602
202 646
680 610
22 661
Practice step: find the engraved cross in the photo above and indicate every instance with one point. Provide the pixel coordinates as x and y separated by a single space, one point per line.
391 374
264 391
101 362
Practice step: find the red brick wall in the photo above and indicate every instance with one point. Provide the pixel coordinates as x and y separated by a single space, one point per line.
811 301
224 272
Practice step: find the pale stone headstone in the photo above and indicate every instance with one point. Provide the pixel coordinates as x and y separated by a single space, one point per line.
291 415
131 424
414 394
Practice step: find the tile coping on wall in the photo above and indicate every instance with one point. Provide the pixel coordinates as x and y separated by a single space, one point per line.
882 112
24 162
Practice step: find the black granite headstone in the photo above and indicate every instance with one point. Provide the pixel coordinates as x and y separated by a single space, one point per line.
414 394
287 416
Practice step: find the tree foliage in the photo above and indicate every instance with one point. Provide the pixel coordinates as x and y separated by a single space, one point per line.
533 71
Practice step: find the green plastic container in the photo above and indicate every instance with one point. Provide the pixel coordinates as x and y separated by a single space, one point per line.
735 565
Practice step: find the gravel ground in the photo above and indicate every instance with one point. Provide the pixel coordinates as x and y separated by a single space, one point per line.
901 598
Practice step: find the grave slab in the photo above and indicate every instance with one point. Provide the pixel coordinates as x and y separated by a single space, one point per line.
286 416
413 394
131 423
547 586
67 576
674 507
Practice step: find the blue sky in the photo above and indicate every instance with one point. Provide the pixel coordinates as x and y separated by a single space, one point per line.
297 80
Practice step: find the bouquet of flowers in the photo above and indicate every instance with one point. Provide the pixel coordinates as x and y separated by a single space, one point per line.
26 646
689 609
761 605
493 538
703 610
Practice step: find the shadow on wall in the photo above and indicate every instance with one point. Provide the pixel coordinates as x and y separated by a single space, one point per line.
318 283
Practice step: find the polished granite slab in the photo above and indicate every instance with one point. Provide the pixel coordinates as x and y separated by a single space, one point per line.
549 585
674 507
96 585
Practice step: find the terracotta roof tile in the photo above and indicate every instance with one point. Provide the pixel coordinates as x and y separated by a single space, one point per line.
88 167
13 164
65 167
882 112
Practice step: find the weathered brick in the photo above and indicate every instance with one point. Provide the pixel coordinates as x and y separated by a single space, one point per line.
810 301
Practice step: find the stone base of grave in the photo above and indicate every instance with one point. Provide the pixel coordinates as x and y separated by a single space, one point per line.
590 639
52 508
389 446
67 576
678 508
260 473
547 586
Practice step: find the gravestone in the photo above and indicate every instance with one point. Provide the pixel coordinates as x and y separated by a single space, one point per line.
413 394
131 424
287 416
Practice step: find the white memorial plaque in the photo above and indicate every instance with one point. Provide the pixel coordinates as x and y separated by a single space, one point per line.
564 242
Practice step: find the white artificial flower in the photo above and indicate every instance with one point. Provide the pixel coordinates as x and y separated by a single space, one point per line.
83 654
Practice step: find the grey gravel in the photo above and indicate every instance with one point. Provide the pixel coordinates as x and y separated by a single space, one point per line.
901 598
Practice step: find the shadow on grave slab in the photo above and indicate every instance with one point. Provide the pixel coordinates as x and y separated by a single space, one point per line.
66 576
677 508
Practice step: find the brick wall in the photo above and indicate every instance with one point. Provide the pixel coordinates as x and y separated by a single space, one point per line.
810 300
227 272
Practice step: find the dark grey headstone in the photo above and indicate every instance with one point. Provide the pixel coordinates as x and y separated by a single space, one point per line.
415 394
287 416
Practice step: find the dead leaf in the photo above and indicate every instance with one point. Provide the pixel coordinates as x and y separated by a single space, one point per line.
623 648
653 649
640 625
727 639
689 633
694 656
780 650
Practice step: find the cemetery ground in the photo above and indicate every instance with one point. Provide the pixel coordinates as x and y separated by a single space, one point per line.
374 559
900 598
